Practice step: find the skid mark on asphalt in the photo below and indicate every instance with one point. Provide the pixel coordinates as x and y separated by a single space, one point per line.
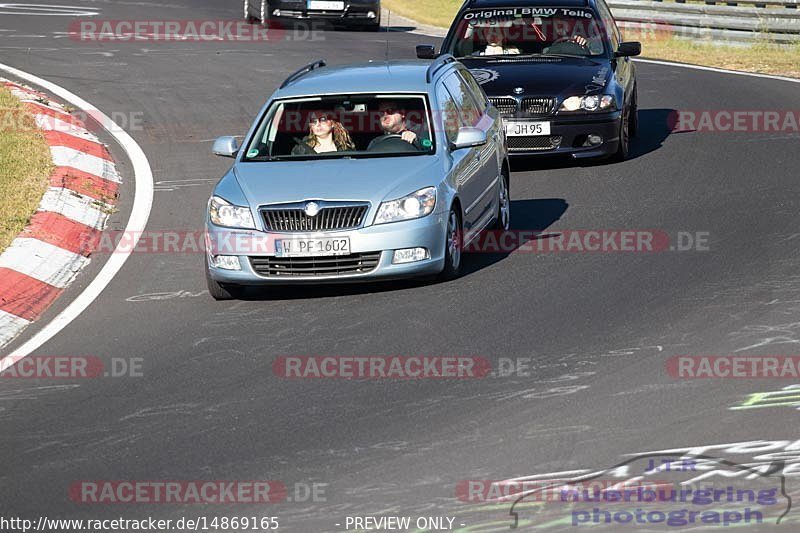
161 296
652 387
34 393
164 410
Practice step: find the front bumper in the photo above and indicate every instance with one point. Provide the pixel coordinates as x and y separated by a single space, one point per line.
568 134
428 232
355 13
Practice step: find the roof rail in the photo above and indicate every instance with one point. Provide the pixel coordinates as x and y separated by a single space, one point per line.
319 63
437 64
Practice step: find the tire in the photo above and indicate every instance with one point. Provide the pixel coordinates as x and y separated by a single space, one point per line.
503 218
633 128
221 291
376 26
624 137
453 244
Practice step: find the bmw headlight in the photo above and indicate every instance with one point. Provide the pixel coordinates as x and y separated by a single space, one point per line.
415 205
223 213
589 103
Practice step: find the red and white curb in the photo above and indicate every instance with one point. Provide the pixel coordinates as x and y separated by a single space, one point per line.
46 257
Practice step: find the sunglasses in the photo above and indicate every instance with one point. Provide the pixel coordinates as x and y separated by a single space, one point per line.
321 120
390 111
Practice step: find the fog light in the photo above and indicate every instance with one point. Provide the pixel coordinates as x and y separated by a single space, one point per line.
555 140
371 15
276 13
227 262
409 255
594 140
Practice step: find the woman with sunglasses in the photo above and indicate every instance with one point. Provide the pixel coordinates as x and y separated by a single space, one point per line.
325 135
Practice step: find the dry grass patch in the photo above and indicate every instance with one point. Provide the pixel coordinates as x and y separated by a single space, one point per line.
25 166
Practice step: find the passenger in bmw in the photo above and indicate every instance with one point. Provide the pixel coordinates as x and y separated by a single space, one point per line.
496 43
325 135
396 129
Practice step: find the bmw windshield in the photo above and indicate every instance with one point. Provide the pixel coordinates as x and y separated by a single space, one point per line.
343 126
553 31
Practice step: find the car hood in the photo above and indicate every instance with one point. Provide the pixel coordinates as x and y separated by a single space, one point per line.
542 76
373 180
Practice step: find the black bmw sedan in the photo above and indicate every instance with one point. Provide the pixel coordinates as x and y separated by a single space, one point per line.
361 14
556 69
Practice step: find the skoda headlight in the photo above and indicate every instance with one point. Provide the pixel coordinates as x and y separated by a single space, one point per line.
589 103
415 205
223 213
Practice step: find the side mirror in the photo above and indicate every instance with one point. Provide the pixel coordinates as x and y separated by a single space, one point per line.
426 51
226 147
630 48
468 137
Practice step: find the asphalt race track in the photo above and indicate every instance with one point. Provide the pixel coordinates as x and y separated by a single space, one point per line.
595 328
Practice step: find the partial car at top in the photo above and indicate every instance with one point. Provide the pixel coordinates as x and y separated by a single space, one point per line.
367 172
360 14
558 70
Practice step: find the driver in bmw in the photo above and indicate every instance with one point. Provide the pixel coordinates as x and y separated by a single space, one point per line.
393 122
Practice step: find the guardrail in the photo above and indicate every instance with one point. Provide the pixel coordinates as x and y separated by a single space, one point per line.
776 21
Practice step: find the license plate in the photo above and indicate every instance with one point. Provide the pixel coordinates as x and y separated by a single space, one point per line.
527 129
312 247
323 5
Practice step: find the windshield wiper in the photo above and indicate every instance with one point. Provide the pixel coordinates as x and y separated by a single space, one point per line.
576 56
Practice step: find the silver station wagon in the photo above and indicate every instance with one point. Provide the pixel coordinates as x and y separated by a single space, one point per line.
366 172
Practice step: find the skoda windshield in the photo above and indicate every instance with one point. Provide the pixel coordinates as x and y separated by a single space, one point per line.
344 126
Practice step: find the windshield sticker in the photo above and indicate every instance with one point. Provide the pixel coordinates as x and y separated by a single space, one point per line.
520 12
484 76
253 152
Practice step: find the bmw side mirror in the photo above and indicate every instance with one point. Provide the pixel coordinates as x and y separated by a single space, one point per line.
468 137
426 51
630 48
226 147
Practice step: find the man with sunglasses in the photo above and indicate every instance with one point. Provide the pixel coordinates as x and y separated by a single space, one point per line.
395 127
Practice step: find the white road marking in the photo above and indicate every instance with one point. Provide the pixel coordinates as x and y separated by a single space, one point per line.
75 206
43 261
46 10
720 70
140 212
64 156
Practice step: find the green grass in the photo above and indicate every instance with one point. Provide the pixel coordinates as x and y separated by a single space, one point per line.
433 12
762 57
25 165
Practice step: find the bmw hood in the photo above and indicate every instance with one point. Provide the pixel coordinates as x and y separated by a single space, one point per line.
541 76
367 179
